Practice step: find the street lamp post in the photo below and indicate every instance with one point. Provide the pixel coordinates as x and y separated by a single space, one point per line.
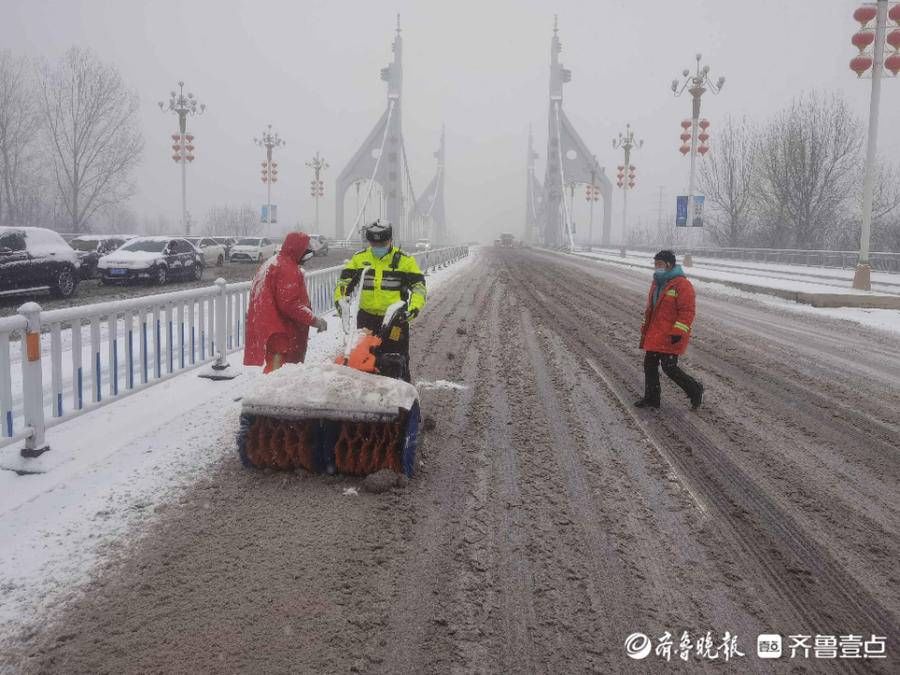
269 140
183 146
696 85
626 176
876 61
316 186
592 194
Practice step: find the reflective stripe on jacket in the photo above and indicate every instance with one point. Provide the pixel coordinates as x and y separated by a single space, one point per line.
396 277
672 315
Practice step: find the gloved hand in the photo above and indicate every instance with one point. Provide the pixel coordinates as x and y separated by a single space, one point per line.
320 324
675 339
409 315
337 307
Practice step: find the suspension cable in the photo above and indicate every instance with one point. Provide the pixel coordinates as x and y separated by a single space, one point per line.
387 127
562 176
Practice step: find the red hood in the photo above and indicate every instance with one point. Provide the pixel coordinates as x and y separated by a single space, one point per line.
295 246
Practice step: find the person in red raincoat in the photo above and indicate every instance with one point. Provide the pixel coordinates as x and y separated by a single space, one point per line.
279 314
666 331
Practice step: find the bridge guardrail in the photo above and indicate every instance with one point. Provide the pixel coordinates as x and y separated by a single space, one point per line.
880 261
130 345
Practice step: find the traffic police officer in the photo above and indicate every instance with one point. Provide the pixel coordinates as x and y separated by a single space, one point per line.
395 276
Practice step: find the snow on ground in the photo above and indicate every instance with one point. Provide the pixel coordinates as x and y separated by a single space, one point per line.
883 319
813 280
113 469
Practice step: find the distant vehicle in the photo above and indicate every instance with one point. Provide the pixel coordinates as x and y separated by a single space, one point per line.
214 252
252 249
319 244
423 245
506 239
34 259
91 247
155 259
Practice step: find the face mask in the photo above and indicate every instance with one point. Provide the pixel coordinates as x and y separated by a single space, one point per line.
380 251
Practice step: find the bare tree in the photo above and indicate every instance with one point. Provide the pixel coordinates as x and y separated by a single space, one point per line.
232 220
808 162
92 130
19 123
726 178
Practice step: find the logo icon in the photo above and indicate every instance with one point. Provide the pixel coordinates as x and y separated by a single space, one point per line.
637 646
768 646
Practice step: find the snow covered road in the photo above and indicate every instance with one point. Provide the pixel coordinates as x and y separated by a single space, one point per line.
549 520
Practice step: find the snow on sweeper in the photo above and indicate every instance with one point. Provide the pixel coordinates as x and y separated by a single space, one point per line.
355 416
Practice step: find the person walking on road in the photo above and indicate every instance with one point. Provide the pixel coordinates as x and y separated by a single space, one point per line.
396 276
279 314
666 331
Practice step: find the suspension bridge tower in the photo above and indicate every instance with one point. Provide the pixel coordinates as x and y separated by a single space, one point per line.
569 160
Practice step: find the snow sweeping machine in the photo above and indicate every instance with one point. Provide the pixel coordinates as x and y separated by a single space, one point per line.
355 416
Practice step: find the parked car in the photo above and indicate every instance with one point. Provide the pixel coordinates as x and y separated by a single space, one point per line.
319 244
91 247
252 249
213 251
35 260
227 242
423 244
156 259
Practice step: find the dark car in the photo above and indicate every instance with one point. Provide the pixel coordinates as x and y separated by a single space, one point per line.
34 260
154 259
91 247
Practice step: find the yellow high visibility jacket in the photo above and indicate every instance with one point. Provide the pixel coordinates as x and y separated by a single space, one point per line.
396 277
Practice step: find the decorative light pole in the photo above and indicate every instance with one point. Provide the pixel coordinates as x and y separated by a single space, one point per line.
696 85
183 146
876 62
627 143
591 195
269 140
316 186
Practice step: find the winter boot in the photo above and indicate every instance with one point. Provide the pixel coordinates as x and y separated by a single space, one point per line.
650 399
697 396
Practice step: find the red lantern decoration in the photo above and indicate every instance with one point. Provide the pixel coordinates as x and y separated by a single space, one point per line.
703 149
263 179
860 64
892 63
685 137
862 39
704 124
894 14
619 183
631 184
176 137
176 157
190 148
620 167
703 137
190 158
685 124
893 38
684 149
176 148
865 14
189 138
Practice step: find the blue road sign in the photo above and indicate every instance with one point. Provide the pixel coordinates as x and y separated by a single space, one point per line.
681 209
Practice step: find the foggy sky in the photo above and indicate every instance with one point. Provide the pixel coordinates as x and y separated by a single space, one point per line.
311 69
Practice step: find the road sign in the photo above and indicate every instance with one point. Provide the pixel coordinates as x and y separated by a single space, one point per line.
681 209
265 213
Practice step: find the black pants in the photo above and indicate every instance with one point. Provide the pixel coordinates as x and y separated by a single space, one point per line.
669 363
400 345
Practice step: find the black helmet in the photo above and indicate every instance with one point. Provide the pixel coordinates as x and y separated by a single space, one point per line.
665 256
377 232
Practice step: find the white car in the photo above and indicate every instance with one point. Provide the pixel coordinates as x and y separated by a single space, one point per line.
156 259
212 250
252 249
423 244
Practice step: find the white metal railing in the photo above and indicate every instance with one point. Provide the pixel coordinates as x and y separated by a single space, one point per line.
70 361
